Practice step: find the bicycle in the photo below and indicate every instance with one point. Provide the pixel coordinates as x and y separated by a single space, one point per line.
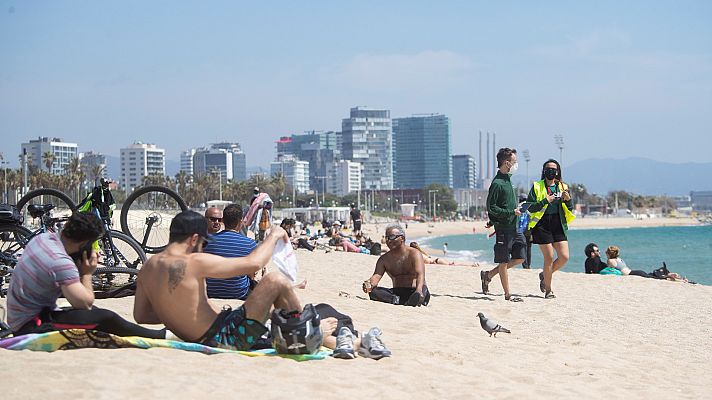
120 256
146 209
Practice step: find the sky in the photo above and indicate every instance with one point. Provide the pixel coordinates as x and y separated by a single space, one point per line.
616 78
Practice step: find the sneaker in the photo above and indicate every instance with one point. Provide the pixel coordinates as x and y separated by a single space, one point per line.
344 344
372 346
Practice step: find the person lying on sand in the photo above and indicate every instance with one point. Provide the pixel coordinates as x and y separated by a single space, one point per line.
439 260
406 269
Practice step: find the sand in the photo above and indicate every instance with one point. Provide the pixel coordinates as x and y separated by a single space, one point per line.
604 336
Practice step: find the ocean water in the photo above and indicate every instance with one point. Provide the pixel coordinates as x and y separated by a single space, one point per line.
686 250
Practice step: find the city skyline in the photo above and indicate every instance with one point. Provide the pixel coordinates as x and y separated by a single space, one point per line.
616 80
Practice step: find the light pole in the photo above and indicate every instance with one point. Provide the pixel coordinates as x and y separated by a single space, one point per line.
4 178
527 158
432 203
217 171
559 140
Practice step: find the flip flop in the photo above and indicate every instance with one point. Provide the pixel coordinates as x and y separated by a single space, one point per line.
550 295
514 299
542 287
485 282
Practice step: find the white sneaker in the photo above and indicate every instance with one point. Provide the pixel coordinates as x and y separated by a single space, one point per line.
344 344
372 346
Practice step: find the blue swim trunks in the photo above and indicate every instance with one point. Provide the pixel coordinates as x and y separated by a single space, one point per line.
233 330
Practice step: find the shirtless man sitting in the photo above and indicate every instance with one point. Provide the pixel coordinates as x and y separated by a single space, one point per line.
405 267
171 288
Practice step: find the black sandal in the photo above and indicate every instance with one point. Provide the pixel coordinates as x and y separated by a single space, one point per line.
514 299
550 295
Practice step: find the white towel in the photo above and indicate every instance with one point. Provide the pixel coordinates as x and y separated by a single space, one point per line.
286 260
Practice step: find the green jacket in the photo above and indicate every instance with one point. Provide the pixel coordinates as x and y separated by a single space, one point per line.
501 203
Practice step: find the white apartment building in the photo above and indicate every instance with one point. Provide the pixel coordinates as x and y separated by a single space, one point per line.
344 177
367 138
186 161
295 172
139 160
63 153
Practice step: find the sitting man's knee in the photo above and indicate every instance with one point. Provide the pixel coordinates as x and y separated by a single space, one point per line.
276 279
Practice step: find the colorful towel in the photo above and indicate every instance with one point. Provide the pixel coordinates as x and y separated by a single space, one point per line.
80 339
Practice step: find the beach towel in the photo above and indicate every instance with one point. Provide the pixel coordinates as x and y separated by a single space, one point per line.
254 214
70 339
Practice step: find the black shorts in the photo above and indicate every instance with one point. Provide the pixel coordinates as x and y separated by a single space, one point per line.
357 225
509 246
549 230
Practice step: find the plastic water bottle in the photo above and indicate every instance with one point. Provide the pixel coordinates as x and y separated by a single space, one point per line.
523 220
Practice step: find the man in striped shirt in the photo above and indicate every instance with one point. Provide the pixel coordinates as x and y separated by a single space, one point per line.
230 243
55 264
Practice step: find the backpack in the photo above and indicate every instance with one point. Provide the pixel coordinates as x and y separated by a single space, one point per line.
9 214
376 249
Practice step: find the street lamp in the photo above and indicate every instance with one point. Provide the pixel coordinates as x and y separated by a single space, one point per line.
432 203
527 158
4 178
219 181
559 140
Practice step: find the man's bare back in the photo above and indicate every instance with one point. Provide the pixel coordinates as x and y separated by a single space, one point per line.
171 286
177 295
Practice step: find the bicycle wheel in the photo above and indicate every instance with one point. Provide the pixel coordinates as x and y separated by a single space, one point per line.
122 253
147 213
63 205
107 278
13 239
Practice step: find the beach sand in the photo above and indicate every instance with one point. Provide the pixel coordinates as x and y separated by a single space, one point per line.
604 336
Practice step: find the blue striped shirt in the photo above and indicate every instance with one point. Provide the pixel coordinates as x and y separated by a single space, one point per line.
229 244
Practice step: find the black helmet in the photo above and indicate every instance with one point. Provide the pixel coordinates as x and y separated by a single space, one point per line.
296 333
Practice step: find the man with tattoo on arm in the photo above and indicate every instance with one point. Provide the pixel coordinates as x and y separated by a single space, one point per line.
171 288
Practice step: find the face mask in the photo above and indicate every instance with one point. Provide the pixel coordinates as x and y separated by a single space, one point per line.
550 173
514 168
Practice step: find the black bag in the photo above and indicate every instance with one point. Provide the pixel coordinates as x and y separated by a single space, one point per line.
10 215
375 249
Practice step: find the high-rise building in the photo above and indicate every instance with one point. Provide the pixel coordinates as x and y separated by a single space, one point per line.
186 161
464 172
139 160
422 151
317 148
295 172
225 157
94 166
62 152
367 139
344 177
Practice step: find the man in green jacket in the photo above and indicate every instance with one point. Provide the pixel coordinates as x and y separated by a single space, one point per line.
510 246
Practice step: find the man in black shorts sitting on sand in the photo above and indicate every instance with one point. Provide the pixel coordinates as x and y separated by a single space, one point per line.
407 271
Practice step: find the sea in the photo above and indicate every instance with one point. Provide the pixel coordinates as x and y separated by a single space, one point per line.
686 250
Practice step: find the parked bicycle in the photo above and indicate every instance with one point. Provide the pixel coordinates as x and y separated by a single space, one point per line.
120 257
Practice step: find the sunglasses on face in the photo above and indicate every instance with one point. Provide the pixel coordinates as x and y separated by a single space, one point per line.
393 237
215 219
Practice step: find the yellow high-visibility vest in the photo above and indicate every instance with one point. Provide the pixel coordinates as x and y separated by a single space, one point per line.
540 193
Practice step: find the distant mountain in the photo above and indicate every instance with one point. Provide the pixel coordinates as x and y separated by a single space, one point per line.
639 175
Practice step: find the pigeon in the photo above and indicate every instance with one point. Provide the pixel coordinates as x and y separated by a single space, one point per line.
491 326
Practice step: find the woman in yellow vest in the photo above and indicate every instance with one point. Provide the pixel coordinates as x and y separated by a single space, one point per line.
550 213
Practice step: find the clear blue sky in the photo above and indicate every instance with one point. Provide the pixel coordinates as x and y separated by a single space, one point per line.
616 78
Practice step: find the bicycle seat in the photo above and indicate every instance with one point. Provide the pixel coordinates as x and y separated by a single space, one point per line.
38 210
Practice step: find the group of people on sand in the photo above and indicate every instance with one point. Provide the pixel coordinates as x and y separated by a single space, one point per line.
615 265
549 208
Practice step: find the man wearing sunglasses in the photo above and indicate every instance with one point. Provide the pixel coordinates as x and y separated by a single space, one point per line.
404 265
214 216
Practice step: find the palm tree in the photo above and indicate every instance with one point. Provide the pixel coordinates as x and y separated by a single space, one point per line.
182 181
48 157
95 172
75 176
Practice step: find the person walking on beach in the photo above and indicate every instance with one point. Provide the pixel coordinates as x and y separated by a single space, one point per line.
550 208
510 246
355 220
